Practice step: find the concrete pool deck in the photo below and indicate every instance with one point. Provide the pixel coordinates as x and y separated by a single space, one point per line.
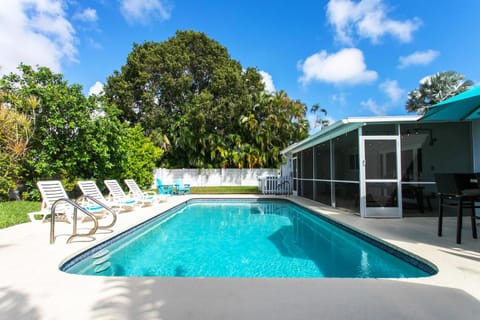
32 287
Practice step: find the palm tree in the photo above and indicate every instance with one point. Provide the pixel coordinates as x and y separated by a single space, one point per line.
436 88
319 120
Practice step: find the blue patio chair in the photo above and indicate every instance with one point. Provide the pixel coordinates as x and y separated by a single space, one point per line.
181 188
165 189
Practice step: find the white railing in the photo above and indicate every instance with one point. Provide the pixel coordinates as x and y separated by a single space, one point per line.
275 185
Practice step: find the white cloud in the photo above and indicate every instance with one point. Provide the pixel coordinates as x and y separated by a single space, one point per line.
94 44
344 67
394 93
267 81
35 32
142 11
392 90
96 89
340 98
87 15
418 58
376 109
367 19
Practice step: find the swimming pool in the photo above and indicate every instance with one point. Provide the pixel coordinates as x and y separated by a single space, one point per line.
245 238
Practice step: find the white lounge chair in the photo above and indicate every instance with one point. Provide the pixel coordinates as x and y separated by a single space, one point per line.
90 188
145 198
52 192
117 194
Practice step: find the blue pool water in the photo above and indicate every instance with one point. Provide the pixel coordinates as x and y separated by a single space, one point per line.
245 238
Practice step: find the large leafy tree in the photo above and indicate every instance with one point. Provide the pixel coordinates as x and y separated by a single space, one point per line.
57 146
436 88
190 97
116 149
73 136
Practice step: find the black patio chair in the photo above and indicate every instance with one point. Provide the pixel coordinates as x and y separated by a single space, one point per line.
457 190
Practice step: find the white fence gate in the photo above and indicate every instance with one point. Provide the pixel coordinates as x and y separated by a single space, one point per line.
275 185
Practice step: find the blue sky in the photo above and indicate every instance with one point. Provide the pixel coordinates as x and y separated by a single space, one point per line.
354 58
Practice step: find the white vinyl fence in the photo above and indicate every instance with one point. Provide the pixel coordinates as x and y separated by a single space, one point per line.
215 177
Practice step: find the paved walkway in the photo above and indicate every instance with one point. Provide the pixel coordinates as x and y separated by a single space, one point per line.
32 287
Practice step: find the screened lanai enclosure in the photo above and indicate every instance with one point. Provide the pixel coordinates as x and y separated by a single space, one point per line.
381 166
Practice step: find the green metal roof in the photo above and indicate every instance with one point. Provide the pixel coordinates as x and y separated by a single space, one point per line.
325 136
342 127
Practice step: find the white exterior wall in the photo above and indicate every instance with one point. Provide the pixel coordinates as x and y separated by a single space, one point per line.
214 177
287 170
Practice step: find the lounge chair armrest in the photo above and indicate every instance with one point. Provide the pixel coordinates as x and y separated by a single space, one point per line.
32 215
112 198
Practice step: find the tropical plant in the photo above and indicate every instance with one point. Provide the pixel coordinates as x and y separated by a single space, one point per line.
15 132
321 121
140 156
436 88
274 122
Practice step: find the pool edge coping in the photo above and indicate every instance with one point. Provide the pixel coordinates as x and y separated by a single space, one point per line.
409 257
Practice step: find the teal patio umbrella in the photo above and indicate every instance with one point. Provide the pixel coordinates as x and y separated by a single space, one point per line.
462 107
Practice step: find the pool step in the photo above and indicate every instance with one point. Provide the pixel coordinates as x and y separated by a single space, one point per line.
100 253
100 260
102 267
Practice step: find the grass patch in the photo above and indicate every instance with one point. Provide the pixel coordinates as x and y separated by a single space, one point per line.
15 212
225 190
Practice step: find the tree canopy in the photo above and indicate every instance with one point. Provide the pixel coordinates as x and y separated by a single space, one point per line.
183 102
436 88
202 106
72 136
